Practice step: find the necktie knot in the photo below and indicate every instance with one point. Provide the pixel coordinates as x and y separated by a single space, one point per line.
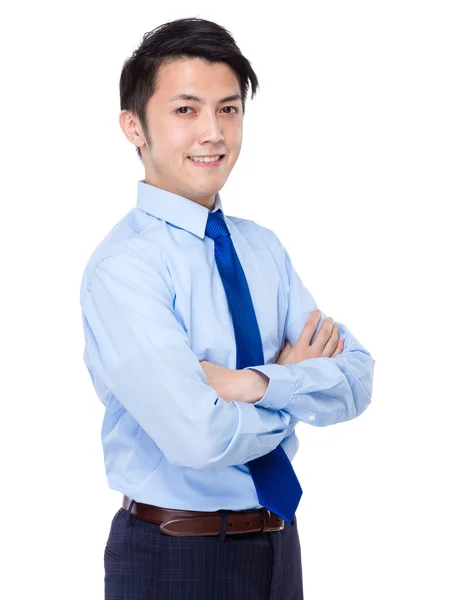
216 227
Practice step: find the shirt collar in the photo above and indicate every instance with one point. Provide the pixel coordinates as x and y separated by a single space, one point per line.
175 209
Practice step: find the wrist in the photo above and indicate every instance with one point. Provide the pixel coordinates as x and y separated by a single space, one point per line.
255 385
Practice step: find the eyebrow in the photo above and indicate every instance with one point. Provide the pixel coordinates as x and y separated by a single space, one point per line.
202 100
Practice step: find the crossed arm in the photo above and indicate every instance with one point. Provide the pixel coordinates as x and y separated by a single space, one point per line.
251 385
319 382
140 354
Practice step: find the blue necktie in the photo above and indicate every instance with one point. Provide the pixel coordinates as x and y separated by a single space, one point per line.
276 483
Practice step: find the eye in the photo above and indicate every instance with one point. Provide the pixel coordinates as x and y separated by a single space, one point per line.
178 109
188 107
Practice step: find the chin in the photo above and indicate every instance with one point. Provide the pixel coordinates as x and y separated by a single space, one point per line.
211 187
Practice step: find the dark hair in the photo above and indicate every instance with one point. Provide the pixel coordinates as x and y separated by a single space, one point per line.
182 38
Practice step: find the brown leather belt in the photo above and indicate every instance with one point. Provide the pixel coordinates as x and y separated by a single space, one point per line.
189 522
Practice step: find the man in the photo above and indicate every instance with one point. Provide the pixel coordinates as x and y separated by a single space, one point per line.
204 346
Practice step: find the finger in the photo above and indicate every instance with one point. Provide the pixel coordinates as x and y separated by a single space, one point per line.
323 335
309 328
332 342
286 348
339 349
284 353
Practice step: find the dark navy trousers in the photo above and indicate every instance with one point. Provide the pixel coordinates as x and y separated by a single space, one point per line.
142 563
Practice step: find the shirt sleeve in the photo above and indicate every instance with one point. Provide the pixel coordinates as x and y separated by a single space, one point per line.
136 345
319 391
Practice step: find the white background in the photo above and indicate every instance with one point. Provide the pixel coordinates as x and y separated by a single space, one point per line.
347 156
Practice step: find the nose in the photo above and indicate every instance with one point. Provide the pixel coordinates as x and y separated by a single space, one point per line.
211 129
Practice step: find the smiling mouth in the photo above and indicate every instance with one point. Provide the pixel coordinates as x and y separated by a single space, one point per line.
204 163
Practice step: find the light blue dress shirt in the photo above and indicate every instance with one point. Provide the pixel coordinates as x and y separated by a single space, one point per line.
153 307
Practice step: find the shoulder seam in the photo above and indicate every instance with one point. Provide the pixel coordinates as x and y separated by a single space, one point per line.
122 252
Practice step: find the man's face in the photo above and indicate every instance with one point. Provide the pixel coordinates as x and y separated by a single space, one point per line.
182 128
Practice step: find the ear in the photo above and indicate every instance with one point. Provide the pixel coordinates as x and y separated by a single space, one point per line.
130 125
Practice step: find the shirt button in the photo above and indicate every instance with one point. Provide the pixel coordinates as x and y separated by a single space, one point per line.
311 418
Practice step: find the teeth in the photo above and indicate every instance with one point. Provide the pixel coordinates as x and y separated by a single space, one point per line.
204 158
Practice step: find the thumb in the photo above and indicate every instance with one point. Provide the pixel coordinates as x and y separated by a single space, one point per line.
286 350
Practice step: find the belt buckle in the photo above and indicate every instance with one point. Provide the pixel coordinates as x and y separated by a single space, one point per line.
280 527
267 520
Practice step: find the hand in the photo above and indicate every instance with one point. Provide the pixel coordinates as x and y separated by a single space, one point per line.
223 380
326 342
240 385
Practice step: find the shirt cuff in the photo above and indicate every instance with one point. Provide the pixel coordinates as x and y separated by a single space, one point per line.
280 389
